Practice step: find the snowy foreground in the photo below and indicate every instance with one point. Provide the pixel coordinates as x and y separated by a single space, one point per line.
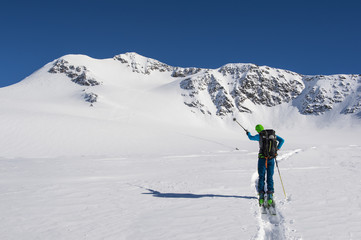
209 194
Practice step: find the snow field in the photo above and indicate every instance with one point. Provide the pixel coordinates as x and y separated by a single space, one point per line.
114 198
208 194
329 192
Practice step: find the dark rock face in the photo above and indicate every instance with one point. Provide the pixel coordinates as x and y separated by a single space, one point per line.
140 64
233 84
77 74
143 65
263 88
355 108
184 72
325 92
90 97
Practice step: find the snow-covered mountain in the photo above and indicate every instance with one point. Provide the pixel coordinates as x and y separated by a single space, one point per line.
132 148
139 94
235 88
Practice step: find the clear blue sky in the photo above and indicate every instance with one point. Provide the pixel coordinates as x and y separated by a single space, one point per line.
308 37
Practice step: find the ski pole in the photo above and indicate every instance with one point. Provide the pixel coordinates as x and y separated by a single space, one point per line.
281 178
234 119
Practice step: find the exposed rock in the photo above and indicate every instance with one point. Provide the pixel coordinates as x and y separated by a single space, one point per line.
77 74
142 64
184 72
244 81
355 108
324 92
270 87
90 97
84 80
213 88
220 97
236 71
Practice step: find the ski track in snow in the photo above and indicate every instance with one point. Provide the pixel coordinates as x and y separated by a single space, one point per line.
272 227
200 195
286 156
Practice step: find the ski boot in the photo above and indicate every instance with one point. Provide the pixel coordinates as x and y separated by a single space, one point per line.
271 206
261 199
270 201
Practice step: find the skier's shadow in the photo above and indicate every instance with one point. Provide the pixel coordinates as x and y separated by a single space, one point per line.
191 195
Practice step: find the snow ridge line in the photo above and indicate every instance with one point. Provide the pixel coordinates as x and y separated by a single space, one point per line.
286 156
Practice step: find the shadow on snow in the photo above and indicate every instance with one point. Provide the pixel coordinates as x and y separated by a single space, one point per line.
191 195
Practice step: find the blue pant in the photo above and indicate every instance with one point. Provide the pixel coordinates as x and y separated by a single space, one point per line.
262 170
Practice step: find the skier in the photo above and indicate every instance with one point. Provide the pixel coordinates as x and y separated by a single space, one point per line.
266 161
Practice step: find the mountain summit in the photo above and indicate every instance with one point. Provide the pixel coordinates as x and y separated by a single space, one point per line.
232 88
78 104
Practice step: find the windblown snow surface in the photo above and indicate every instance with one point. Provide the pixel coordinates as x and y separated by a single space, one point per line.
140 165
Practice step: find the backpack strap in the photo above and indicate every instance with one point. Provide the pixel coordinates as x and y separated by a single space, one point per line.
266 162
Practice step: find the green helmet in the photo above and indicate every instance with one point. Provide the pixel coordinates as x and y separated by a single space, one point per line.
259 128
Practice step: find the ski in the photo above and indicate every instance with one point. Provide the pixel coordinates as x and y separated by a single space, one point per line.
272 209
267 204
268 209
263 209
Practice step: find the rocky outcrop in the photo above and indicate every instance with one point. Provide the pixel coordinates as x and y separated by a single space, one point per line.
207 86
184 72
261 87
355 108
230 86
77 74
140 64
325 92
90 97
143 65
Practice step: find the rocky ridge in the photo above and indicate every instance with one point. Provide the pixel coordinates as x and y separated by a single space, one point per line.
79 75
140 64
233 87
323 93
230 86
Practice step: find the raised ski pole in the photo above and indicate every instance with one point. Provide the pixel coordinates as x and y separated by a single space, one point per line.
280 178
234 119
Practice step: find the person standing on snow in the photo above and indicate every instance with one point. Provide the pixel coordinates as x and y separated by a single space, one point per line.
269 143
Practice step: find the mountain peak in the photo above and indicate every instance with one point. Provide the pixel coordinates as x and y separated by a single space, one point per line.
231 89
141 64
77 73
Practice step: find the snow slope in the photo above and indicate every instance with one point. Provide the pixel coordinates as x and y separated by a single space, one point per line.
55 119
114 149
209 195
77 104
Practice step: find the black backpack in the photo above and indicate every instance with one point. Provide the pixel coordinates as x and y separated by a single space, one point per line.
267 144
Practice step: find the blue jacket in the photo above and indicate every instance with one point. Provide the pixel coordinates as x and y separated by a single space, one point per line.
256 138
